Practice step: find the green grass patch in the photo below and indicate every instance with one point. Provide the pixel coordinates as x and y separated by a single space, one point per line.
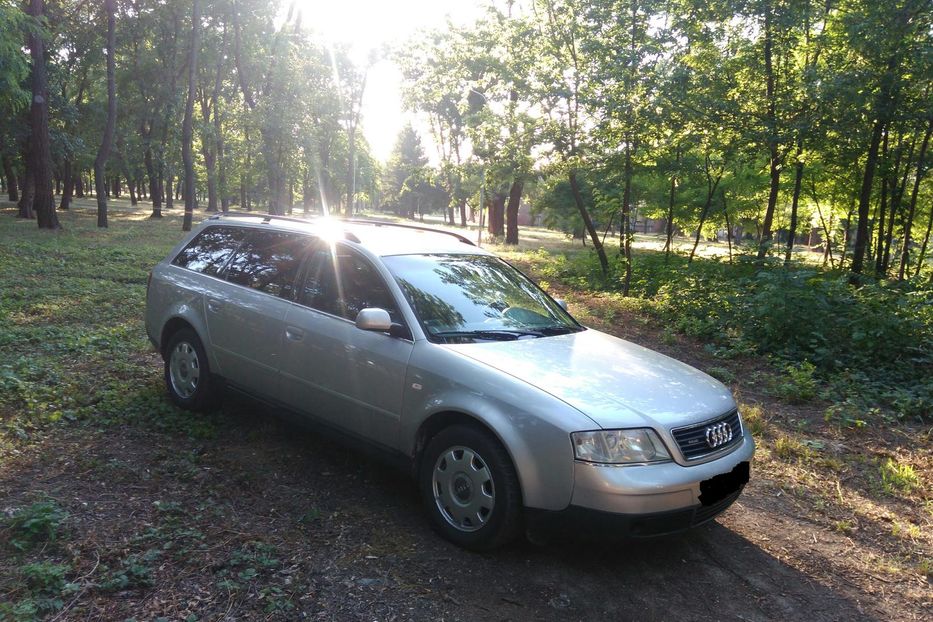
898 478
73 343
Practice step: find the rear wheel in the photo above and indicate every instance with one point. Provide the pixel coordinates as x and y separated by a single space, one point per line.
187 373
470 489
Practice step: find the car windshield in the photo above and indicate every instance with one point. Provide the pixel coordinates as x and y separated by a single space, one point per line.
468 298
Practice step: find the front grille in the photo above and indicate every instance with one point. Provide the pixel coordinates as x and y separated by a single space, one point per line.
692 439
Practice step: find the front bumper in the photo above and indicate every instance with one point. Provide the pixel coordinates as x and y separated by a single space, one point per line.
587 524
650 489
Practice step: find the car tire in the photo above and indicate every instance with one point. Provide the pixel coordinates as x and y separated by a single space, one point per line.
188 374
470 489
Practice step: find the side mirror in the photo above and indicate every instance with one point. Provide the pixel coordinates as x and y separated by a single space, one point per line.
562 303
374 319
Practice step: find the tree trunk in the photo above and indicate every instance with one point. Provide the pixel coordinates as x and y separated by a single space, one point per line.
711 186
27 197
41 152
798 180
911 210
861 233
10 175
774 162
515 197
67 188
351 171
882 212
463 215
625 226
154 193
926 241
725 211
103 153
669 228
588 222
207 151
497 215
221 165
897 195
187 133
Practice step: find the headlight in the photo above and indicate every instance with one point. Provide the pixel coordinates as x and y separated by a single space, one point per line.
619 446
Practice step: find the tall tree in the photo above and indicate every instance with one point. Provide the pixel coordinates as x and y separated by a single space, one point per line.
40 154
187 130
106 143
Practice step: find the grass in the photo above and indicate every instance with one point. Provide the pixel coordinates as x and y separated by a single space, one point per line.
898 478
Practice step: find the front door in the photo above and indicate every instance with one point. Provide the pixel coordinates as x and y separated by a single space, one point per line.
329 367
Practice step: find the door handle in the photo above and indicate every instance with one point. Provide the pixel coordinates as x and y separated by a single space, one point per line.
294 334
214 306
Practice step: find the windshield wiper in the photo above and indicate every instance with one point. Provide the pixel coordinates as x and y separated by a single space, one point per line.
558 329
498 335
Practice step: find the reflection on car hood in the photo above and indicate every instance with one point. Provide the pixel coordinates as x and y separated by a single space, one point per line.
614 382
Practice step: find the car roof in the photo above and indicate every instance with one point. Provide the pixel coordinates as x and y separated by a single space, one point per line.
380 237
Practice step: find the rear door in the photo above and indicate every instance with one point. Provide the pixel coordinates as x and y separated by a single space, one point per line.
245 312
350 377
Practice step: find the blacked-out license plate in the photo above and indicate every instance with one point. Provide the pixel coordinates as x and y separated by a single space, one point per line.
717 488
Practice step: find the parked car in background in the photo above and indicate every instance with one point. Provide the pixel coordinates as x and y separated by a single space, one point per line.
509 413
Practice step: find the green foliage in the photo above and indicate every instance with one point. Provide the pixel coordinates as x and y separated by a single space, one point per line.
897 477
133 571
35 524
42 589
798 383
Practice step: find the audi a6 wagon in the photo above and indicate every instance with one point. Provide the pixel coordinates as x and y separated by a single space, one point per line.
510 413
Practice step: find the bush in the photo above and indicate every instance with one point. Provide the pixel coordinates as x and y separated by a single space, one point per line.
35 524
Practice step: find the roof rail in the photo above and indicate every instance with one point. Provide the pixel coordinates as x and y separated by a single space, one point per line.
388 223
267 218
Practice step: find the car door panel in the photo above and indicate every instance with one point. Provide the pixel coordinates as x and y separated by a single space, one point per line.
351 378
245 313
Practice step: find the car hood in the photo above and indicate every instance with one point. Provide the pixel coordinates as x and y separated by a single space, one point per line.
614 382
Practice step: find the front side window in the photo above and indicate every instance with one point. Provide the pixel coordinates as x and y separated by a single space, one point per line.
268 261
466 298
342 283
209 251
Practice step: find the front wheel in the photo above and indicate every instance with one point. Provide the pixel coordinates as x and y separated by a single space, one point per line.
187 374
469 488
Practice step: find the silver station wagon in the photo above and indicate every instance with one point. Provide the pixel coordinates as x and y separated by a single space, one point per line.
510 414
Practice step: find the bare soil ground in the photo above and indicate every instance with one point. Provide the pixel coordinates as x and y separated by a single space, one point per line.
261 519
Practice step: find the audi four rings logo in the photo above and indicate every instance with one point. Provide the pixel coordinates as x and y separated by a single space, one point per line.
718 435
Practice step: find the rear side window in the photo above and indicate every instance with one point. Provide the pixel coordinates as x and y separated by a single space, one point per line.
209 250
268 261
